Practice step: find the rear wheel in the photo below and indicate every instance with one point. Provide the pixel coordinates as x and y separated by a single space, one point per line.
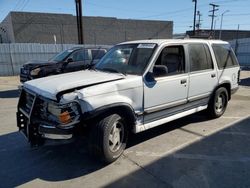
218 103
108 138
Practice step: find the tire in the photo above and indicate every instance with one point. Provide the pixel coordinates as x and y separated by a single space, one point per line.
218 103
108 138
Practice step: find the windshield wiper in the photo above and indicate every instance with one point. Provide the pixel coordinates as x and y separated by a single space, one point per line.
112 70
91 66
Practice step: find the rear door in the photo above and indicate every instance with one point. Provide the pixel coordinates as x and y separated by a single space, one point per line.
203 76
227 64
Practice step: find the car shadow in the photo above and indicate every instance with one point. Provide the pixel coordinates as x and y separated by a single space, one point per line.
245 82
220 160
135 139
21 164
9 93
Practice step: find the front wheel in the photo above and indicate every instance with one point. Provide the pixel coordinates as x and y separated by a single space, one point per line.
108 138
218 103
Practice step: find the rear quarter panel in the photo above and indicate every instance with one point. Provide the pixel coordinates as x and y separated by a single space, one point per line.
229 75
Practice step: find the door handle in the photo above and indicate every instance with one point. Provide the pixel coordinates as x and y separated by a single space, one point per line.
213 75
183 81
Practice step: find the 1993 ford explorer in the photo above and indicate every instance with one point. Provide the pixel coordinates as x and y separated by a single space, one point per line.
136 86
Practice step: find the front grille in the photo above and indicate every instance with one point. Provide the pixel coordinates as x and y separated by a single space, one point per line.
26 101
48 112
24 70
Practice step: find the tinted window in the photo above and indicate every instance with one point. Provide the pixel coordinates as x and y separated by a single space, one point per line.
209 57
224 55
172 58
61 56
199 57
97 54
80 55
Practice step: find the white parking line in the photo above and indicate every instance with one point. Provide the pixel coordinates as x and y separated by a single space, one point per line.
231 117
210 157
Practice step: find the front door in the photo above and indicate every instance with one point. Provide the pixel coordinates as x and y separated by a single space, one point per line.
165 91
80 60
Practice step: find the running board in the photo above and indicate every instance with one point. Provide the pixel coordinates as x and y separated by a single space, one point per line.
142 127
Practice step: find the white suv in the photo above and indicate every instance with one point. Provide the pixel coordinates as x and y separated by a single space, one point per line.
136 86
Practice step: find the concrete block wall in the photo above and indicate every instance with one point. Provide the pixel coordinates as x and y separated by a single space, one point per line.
41 28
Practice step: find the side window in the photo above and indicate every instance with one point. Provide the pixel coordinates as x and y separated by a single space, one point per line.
209 57
199 57
172 59
224 56
79 55
97 54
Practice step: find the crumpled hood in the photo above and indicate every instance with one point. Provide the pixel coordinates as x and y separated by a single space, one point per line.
37 63
50 86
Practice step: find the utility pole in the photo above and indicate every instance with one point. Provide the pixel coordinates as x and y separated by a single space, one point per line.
198 25
79 21
195 6
213 11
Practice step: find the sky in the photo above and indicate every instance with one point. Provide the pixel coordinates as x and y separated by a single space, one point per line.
179 11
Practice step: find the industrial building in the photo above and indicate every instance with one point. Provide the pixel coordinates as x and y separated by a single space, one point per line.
226 35
27 27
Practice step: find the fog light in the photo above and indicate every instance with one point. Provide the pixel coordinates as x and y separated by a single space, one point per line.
64 117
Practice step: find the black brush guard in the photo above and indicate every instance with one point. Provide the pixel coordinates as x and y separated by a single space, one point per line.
24 116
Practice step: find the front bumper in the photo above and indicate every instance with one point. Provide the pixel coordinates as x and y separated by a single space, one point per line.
24 77
55 133
24 74
37 130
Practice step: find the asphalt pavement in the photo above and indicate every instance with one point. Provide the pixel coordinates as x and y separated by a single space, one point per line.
191 152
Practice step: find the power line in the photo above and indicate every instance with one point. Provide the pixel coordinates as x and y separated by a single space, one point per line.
24 5
228 1
242 14
110 7
19 4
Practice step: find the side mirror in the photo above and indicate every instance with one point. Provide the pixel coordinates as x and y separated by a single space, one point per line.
160 70
69 60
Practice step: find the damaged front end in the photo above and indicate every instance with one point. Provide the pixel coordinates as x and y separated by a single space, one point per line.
40 119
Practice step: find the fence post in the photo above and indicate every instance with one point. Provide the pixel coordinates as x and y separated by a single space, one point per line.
11 61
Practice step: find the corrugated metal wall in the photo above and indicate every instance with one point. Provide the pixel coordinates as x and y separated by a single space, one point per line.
14 55
242 50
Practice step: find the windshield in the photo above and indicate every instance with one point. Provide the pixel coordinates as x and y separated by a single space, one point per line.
127 58
61 56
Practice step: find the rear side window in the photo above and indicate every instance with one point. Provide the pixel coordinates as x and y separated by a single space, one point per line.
97 54
224 56
199 57
80 55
